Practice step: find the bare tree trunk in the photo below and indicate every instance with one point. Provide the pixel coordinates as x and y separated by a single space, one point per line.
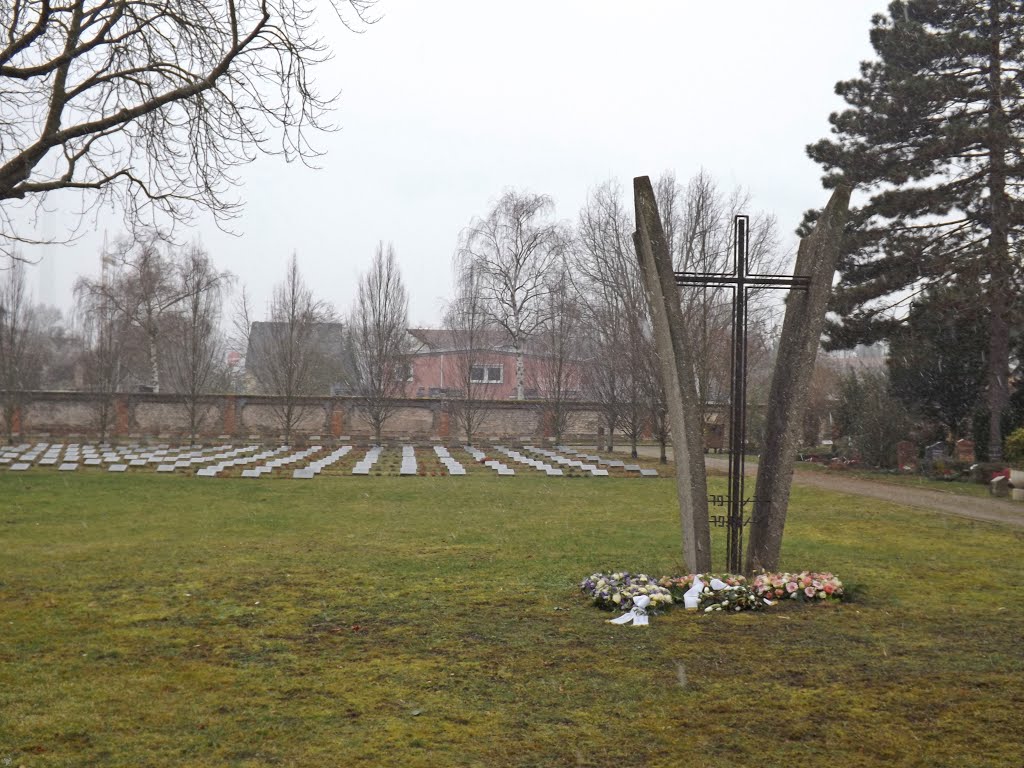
154 364
999 330
520 374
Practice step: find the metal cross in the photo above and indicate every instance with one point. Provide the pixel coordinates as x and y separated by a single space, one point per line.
740 281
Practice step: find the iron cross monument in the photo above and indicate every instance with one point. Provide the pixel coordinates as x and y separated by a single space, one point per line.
741 281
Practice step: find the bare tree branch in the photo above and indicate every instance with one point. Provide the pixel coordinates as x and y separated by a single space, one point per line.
152 104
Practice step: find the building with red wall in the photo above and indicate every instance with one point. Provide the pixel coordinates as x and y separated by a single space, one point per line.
438 358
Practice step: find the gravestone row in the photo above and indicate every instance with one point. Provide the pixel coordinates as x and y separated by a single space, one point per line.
251 461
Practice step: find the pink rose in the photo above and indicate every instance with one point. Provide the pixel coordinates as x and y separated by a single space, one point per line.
778 593
829 589
809 591
791 586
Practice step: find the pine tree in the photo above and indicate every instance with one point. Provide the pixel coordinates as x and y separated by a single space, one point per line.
935 135
937 359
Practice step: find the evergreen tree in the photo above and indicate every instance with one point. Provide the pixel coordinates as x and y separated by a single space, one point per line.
937 359
935 135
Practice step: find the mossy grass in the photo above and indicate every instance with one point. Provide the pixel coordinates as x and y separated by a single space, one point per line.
959 486
167 621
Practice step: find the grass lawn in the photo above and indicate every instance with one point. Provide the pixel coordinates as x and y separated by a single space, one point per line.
956 487
171 621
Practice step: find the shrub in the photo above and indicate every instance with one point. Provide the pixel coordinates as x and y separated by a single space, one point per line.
1014 446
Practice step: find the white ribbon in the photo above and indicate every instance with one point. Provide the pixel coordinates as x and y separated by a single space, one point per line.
637 616
691 598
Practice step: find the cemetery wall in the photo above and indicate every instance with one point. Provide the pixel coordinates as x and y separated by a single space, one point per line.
244 417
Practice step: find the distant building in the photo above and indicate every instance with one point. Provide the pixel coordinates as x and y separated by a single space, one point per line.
331 369
439 358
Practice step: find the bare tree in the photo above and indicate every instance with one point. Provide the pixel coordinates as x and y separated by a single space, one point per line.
106 333
698 221
154 104
289 355
18 364
241 322
470 341
514 250
603 374
194 358
557 372
60 349
379 324
657 399
608 277
142 282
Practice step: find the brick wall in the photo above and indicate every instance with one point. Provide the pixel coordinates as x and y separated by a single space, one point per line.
240 417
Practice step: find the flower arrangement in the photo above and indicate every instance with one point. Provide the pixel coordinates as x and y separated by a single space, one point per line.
805 586
678 585
735 595
739 598
615 591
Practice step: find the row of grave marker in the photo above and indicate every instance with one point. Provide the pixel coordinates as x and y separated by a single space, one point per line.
221 458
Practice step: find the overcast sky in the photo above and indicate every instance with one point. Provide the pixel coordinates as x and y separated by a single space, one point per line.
444 105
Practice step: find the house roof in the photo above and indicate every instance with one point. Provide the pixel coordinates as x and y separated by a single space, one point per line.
329 338
443 339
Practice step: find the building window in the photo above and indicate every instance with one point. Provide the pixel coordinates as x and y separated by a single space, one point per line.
486 374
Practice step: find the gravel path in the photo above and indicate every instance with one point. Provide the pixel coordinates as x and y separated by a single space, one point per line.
990 510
